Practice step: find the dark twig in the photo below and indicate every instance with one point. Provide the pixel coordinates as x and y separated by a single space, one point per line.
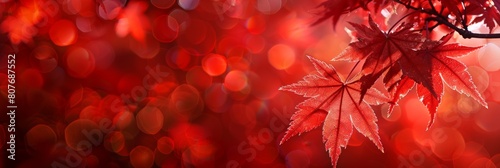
438 17
464 18
465 33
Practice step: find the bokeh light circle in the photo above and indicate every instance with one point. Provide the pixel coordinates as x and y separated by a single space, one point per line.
235 80
80 62
165 145
256 24
150 120
480 78
488 119
416 113
281 56
188 4
84 24
72 7
269 6
467 105
163 4
122 27
147 49
77 131
452 145
181 16
123 119
395 115
178 58
489 58
214 64
201 150
165 28
46 57
91 113
187 101
483 163
141 157
41 137
63 33
109 9
115 141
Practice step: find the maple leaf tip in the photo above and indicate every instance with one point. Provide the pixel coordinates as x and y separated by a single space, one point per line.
429 125
286 88
311 58
282 141
379 146
483 103
391 109
382 150
352 23
286 137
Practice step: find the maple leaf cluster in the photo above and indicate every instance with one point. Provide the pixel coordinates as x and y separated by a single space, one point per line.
403 57
461 11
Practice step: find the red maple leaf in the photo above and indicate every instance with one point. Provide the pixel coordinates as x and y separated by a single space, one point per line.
453 7
486 12
399 90
334 103
430 66
335 9
380 49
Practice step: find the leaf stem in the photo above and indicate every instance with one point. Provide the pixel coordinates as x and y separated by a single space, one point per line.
347 78
400 19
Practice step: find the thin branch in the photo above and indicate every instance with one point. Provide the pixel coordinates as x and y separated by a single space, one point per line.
433 27
432 5
464 32
442 10
464 19
400 19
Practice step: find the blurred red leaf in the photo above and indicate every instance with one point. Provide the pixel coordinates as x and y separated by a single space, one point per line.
134 20
333 103
21 25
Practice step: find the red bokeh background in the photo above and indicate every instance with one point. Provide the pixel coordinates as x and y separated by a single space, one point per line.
194 83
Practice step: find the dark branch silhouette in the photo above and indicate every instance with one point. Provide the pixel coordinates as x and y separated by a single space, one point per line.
440 19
